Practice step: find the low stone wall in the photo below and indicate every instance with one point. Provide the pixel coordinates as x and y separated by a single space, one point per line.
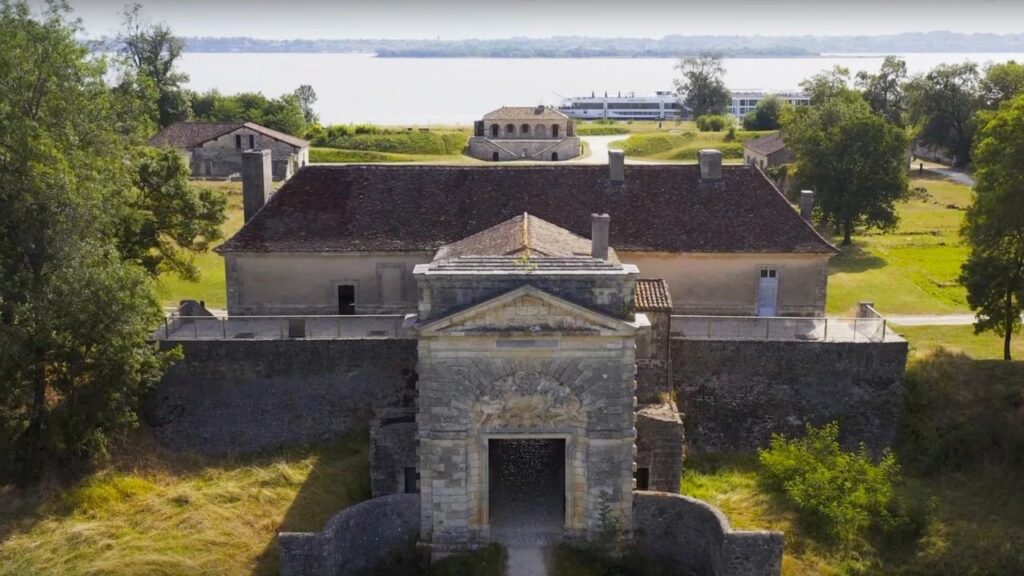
692 537
735 394
236 396
659 446
484 148
354 541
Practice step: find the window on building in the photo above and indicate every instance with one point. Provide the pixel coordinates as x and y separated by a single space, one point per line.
554 130
524 129
495 130
252 142
510 129
411 480
238 140
643 478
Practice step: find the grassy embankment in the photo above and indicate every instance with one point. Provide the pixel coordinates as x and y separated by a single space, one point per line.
683 145
392 145
155 513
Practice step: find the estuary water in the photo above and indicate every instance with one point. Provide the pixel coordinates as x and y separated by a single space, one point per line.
363 88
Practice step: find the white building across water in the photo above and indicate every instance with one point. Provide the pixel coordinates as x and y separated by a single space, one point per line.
663 105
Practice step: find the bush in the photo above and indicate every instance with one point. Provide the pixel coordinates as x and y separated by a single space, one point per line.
729 150
714 123
597 129
839 494
373 139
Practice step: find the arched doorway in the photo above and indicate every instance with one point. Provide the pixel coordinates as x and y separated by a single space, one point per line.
494 156
554 130
554 156
541 131
495 130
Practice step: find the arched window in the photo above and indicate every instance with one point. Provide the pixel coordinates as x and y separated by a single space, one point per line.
510 129
524 129
540 131
495 130
494 156
554 130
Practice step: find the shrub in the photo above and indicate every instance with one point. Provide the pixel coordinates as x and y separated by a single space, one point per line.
731 134
839 494
729 150
714 122
600 130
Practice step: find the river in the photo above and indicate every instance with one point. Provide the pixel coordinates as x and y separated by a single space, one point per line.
362 88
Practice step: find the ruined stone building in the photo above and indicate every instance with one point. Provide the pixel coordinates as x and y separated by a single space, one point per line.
524 133
214 149
520 337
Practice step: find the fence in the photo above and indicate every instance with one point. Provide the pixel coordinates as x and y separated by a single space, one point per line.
779 328
280 327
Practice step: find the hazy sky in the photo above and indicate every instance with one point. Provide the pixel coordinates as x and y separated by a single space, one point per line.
453 19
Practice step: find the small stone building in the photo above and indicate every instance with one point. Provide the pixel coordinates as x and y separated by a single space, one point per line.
214 149
767 152
524 133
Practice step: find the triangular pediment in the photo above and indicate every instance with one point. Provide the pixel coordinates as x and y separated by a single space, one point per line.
527 311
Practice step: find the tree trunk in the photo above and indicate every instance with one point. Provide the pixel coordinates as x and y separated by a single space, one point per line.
847 234
29 448
1010 321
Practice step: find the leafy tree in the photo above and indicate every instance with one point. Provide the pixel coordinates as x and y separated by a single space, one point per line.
829 84
994 226
942 105
74 313
166 220
701 88
854 159
1002 82
307 98
884 91
766 116
284 113
153 51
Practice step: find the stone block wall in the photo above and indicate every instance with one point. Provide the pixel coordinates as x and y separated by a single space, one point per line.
691 537
354 541
484 148
736 394
392 450
236 396
659 446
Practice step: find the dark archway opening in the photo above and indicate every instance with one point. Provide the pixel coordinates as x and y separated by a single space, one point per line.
494 156
554 156
527 486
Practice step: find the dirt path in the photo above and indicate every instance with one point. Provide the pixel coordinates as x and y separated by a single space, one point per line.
527 562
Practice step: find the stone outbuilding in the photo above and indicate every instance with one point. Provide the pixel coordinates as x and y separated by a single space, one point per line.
524 133
214 149
767 152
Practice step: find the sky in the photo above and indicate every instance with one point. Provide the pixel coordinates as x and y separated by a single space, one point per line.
457 19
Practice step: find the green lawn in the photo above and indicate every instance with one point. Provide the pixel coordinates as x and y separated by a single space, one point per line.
212 286
684 145
155 513
336 155
925 340
913 269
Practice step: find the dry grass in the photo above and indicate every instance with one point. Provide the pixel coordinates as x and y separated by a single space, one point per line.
157 513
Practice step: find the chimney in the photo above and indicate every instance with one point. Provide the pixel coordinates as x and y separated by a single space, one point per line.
599 235
710 164
256 181
617 165
806 204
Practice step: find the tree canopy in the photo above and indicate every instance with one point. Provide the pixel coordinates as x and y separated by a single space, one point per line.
853 159
284 113
767 115
700 86
884 91
994 225
89 217
152 51
942 106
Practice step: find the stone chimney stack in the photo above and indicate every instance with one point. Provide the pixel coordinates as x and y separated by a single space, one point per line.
617 165
257 180
806 204
710 164
599 224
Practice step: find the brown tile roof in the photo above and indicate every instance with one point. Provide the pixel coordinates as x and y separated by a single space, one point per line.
417 207
523 234
652 295
525 113
766 145
187 135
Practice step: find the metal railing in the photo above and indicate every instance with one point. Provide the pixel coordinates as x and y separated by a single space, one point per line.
779 328
282 327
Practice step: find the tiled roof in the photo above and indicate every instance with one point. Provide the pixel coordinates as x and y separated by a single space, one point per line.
664 208
766 145
187 135
525 113
652 295
523 234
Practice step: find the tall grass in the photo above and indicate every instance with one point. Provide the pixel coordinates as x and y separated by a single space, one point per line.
156 513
